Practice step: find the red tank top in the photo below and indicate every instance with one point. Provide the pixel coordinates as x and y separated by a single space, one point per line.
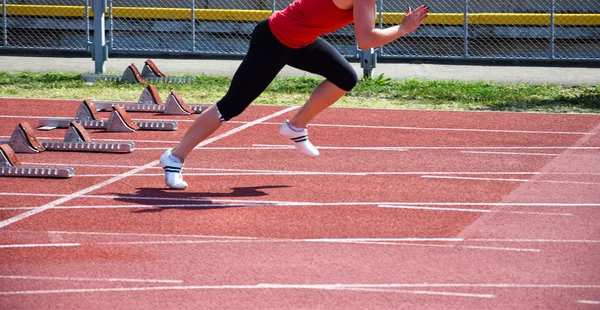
303 21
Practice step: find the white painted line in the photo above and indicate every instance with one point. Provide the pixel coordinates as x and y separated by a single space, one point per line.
421 292
365 126
263 286
453 129
589 302
507 180
344 240
306 203
41 245
489 248
535 240
405 148
99 233
363 148
213 174
338 172
471 210
510 153
178 242
16 277
122 176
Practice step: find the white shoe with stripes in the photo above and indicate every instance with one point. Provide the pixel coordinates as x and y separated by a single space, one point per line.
299 139
173 176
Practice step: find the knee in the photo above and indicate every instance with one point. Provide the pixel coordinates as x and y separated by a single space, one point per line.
228 110
351 81
346 81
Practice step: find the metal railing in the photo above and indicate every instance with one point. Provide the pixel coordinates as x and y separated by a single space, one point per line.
456 29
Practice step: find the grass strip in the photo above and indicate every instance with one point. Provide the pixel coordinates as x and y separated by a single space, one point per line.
376 92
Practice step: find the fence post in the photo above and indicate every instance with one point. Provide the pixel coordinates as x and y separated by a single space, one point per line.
552 28
99 48
466 30
368 58
4 25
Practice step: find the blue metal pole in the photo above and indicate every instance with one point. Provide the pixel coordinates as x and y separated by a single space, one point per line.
466 30
4 25
552 28
193 25
99 52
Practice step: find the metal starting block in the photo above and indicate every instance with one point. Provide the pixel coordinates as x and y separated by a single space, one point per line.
150 73
131 75
118 120
150 101
77 139
10 166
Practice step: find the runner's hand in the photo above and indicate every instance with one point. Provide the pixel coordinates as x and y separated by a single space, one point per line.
413 19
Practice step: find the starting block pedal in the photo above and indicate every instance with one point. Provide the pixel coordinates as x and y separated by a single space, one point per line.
118 120
150 101
10 166
77 139
150 73
150 70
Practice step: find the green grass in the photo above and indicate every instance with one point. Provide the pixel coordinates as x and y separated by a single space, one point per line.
376 92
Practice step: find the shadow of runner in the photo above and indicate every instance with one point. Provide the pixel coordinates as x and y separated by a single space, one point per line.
160 199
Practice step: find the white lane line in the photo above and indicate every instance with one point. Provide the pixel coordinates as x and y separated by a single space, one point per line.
404 148
451 246
366 126
231 205
274 286
312 203
122 234
17 277
471 210
421 292
510 153
122 176
589 302
40 245
179 242
535 240
209 174
506 180
342 172
453 129
353 240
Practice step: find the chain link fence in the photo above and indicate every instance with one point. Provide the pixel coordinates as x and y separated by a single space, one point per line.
455 29
46 25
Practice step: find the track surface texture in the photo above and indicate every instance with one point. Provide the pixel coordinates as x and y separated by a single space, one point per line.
402 210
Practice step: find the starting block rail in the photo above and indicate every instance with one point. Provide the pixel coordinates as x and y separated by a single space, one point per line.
150 101
118 121
77 139
10 166
131 75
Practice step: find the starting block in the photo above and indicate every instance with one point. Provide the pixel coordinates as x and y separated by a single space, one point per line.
150 73
150 101
118 121
131 75
77 139
10 166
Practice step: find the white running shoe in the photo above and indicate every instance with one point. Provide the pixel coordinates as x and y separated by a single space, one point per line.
299 139
173 177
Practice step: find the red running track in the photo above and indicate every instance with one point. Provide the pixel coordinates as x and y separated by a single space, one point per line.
402 210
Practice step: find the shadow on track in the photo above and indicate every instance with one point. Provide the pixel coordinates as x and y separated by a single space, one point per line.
159 199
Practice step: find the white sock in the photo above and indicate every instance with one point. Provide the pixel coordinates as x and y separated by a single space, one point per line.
175 159
295 128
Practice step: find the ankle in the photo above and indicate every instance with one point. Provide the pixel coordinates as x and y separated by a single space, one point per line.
176 155
296 126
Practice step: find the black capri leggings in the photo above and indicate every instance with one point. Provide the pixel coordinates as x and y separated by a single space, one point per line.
267 56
